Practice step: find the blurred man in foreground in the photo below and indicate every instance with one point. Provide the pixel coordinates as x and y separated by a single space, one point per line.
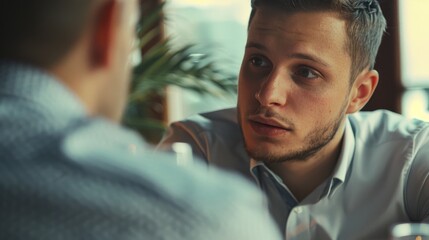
68 170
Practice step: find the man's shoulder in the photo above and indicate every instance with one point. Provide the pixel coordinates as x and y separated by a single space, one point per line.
215 138
102 147
95 164
205 129
384 125
220 121
193 187
99 139
228 115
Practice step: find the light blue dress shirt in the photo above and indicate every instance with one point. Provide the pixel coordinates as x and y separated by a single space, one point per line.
381 177
66 176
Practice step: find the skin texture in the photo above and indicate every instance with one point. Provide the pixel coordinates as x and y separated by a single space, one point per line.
295 91
98 67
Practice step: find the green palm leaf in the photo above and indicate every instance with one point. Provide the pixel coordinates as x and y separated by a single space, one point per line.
162 66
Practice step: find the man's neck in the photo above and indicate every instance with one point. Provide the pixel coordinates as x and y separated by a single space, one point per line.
303 176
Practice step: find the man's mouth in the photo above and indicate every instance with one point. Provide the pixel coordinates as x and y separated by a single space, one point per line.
268 126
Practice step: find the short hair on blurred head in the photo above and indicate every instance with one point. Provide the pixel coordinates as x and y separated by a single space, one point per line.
41 32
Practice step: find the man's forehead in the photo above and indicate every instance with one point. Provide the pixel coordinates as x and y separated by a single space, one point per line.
321 35
299 23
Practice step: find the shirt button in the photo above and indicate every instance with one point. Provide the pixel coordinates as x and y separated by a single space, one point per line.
298 210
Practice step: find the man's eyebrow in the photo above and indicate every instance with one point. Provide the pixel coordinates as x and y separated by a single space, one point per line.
304 56
309 57
256 45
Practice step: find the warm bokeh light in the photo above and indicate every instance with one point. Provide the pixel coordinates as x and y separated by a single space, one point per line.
415 104
414 41
414 51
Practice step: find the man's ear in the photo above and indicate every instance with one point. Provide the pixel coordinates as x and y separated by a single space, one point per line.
104 33
362 90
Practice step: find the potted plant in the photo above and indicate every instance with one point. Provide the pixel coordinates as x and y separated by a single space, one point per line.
160 66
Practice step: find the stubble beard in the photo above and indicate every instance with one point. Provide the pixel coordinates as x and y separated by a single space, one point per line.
314 142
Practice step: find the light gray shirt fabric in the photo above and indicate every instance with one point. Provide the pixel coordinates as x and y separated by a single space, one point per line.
66 176
381 178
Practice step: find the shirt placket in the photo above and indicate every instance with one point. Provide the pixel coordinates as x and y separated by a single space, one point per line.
293 218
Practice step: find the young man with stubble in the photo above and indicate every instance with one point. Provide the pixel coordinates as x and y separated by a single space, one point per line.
329 170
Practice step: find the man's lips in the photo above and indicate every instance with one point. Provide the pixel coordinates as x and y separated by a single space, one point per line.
269 122
268 126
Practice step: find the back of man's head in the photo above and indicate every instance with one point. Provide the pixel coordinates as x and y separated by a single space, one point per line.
41 32
85 44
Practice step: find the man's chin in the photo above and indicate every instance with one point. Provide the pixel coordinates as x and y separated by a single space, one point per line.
272 156
265 155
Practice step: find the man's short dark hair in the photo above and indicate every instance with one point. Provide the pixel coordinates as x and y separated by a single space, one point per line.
365 25
41 32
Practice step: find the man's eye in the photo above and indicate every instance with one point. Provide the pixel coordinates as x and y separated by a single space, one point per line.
259 62
306 72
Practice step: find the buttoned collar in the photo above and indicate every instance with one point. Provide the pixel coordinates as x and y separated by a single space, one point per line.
340 171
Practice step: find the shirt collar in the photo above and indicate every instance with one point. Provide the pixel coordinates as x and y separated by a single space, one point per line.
341 169
346 155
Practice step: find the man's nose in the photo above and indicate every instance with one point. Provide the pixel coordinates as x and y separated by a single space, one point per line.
273 90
